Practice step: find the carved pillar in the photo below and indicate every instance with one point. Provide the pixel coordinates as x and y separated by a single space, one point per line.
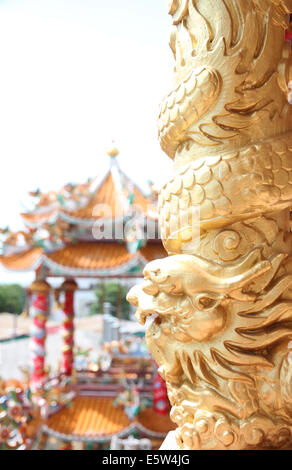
39 312
223 298
69 287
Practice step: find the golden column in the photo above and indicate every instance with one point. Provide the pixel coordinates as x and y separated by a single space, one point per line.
223 296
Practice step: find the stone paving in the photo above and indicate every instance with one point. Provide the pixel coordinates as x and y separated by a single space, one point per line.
16 353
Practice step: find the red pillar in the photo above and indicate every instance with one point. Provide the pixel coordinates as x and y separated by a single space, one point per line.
69 287
39 312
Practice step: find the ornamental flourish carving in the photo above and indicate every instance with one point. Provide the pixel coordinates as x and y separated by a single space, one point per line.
221 302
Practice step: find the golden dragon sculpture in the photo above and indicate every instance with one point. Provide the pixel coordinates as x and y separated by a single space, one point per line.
222 299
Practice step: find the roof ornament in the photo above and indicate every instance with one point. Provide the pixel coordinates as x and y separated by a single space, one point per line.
113 152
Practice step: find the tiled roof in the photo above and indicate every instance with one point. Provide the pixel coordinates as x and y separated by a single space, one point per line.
97 417
91 258
107 194
89 416
101 258
104 195
91 255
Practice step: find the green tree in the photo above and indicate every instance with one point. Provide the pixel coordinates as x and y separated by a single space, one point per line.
12 298
113 293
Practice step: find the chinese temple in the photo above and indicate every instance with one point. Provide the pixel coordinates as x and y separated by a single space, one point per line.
105 228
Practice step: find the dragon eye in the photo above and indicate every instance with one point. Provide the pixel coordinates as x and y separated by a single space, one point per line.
203 302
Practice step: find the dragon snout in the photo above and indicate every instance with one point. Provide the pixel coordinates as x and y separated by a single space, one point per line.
133 296
142 301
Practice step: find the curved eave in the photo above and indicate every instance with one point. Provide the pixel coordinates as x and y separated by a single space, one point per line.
24 261
59 269
37 222
135 426
85 259
99 259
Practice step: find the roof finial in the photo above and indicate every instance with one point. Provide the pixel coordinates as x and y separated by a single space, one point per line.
113 152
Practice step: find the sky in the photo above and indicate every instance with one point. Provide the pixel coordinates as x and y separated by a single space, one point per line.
75 75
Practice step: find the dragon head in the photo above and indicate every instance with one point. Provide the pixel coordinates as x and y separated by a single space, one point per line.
189 299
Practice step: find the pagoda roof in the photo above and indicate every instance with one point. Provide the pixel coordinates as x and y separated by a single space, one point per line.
108 195
111 197
60 233
96 419
85 259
